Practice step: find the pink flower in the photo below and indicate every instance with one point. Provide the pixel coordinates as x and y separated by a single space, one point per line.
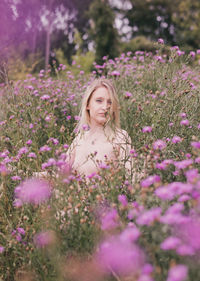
159 144
45 97
45 148
131 233
29 142
161 41
32 155
150 180
123 200
147 129
43 239
185 122
170 243
176 139
177 273
115 73
127 95
33 191
120 256
192 175
109 219
1 249
183 164
195 144
149 216
192 54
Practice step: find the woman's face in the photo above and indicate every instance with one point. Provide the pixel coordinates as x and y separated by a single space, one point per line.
99 106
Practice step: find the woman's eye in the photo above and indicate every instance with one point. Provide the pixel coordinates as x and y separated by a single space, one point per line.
109 102
98 100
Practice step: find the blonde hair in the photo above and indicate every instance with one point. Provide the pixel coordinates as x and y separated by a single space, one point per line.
114 121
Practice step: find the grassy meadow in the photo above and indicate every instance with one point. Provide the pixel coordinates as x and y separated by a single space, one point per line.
112 226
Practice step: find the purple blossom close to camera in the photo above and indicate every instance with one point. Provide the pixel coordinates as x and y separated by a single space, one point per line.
120 256
177 273
33 191
159 144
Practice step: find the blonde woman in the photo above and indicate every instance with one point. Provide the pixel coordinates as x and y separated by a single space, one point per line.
99 138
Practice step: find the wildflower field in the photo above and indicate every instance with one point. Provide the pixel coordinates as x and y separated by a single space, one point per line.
112 226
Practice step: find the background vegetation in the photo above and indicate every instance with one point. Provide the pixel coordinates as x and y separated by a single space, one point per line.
39 32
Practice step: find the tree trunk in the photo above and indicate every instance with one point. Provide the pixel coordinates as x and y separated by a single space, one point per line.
47 52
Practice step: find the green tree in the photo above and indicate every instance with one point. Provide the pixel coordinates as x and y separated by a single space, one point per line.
152 18
102 30
187 22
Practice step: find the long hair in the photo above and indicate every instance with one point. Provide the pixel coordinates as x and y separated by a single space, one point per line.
113 121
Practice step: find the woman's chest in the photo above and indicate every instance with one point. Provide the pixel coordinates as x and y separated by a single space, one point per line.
96 150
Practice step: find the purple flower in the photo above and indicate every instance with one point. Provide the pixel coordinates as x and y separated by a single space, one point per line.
183 164
192 54
189 233
195 144
109 219
32 155
159 144
16 178
150 180
22 150
149 216
131 233
33 191
43 239
29 142
123 200
185 250
127 95
45 148
3 170
115 73
45 97
170 243
161 41
120 256
1 249
177 273
176 139
147 129
192 175
21 230
185 122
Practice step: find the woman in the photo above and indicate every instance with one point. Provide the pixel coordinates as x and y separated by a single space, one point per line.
99 138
